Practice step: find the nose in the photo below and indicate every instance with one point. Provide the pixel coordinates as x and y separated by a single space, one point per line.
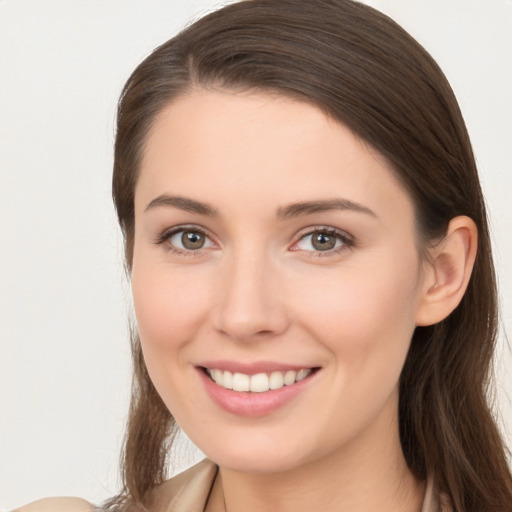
250 304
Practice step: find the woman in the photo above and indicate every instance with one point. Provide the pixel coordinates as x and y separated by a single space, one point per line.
311 270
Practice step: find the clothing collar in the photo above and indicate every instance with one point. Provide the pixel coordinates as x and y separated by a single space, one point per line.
189 491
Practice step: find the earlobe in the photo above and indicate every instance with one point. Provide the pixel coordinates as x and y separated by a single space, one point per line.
448 272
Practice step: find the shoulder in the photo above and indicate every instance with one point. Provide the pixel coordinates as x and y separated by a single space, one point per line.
186 491
57 505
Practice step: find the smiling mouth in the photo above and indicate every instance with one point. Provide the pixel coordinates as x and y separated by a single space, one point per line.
259 382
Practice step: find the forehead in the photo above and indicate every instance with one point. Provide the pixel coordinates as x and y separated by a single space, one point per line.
239 147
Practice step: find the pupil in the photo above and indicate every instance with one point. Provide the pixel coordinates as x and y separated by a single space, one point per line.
192 240
323 242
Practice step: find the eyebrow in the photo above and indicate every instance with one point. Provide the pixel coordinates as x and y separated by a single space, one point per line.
284 212
183 203
327 205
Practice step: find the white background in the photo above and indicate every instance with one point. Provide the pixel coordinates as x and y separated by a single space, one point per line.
64 356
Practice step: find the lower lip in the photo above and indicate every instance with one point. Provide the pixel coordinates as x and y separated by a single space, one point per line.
251 404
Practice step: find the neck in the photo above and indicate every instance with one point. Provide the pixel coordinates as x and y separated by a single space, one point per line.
369 474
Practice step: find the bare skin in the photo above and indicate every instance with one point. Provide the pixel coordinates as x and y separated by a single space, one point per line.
300 250
366 481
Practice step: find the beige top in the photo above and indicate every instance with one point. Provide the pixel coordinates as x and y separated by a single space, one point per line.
189 492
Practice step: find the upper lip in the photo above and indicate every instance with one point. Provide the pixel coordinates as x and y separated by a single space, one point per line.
254 367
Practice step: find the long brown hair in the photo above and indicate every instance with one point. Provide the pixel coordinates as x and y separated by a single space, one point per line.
364 70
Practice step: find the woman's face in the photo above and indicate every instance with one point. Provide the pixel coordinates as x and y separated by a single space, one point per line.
276 252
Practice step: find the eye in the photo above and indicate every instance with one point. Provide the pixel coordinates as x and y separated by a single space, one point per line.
189 240
185 240
323 240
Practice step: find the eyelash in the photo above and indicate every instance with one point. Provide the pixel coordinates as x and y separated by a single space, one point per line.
168 234
347 241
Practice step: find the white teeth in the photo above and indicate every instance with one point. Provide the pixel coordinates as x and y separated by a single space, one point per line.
289 378
302 374
227 381
217 375
240 382
276 380
258 383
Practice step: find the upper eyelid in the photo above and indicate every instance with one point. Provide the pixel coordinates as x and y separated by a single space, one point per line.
321 229
307 231
185 227
166 234
347 240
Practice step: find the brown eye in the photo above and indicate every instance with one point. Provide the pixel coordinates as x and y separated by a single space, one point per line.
323 241
188 240
192 240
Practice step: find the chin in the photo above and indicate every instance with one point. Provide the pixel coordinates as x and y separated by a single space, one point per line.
260 463
264 457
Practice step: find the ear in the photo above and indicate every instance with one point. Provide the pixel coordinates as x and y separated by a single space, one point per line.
448 271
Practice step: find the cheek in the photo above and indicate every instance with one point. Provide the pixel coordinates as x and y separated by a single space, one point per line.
168 305
365 320
363 311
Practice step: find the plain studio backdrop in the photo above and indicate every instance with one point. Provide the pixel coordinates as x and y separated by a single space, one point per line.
64 354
